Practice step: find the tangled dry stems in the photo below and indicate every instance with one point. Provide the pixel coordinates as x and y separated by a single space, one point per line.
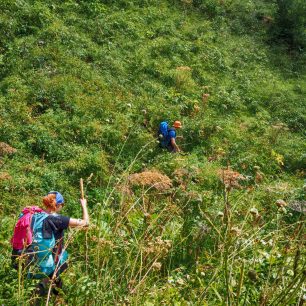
230 178
152 179
158 246
5 176
6 149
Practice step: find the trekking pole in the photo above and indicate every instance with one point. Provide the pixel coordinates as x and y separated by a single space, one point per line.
82 188
86 233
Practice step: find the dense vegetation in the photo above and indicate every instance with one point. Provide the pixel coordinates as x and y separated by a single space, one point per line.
83 87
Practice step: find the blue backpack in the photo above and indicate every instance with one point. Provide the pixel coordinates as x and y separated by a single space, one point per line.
45 259
163 133
163 129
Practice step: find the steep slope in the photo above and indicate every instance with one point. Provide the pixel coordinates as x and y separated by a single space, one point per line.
83 87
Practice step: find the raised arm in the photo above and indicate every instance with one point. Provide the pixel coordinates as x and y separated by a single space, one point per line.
81 222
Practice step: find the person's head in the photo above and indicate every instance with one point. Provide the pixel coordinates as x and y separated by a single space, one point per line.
177 124
53 201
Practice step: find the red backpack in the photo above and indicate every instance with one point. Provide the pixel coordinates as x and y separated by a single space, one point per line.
23 236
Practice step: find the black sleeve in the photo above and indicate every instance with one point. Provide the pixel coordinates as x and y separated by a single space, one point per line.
55 224
61 222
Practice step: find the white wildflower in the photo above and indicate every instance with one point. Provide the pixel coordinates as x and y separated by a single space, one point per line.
220 214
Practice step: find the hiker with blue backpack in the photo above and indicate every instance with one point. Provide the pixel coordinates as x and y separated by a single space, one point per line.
167 136
38 241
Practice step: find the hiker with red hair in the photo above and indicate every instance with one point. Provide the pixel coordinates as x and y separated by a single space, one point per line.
39 240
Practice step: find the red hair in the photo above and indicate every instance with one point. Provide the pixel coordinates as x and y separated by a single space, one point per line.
50 201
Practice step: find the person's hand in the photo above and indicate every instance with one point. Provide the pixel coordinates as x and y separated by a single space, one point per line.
83 202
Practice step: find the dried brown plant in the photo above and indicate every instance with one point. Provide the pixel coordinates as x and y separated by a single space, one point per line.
183 68
205 97
158 247
150 178
5 176
102 241
6 149
230 178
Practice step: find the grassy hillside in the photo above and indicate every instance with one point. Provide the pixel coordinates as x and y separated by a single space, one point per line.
83 87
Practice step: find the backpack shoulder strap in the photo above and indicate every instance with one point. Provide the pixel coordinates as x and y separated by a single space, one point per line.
38 219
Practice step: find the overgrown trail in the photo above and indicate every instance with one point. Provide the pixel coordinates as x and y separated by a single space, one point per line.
83 88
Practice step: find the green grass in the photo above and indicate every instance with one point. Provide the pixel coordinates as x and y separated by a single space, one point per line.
83 87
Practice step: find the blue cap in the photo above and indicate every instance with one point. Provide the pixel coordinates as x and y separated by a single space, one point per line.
59 197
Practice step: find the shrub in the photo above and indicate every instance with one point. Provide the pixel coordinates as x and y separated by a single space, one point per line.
290 22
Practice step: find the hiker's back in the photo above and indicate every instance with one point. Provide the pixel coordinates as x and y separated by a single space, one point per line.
42 246
36 242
